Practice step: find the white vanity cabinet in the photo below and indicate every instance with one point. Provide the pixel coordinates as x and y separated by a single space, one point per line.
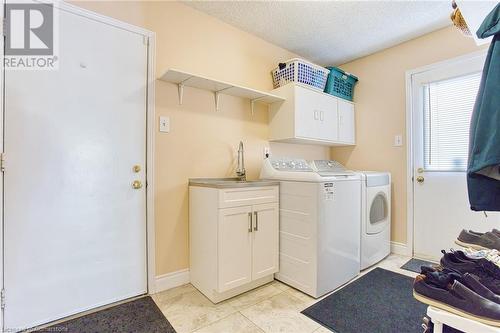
234 237
310 116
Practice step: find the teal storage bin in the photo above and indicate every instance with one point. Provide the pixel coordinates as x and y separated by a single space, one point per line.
340 83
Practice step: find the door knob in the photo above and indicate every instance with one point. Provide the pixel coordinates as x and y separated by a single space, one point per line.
420 179
137 184
136 168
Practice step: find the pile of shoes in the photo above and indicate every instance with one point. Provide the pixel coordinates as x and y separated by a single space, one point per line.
467 282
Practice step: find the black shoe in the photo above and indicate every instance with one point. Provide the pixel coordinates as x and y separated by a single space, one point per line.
485 263
486 272
444 278
458 299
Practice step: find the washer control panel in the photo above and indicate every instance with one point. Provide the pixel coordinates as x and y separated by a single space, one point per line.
288 164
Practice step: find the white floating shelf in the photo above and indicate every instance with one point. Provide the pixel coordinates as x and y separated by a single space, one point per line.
441 317
183 79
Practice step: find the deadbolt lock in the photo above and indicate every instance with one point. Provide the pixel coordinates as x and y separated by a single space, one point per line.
136 168
420 179
420 170
137 184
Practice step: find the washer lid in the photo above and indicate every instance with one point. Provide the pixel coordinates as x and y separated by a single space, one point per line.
328 168
299 170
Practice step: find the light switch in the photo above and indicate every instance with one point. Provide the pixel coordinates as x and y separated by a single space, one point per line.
398 140
164 124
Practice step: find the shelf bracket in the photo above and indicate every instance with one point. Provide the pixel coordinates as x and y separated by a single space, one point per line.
180 90
217 99
252 103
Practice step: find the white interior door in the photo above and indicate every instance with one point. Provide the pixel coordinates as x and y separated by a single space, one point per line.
75 229
442 103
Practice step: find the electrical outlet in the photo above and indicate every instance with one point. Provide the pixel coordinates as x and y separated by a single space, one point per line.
164 124
267 152
398 140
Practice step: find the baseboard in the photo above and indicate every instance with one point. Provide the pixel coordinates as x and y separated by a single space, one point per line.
399 248
171 280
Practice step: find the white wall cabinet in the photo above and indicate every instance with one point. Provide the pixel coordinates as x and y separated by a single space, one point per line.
309 116
234 239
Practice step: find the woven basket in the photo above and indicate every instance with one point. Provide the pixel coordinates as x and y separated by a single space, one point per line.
459 22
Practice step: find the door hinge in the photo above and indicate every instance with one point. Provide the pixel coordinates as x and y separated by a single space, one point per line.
2 301
2 162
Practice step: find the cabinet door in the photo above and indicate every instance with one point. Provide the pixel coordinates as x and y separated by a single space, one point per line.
265 240
307 113
234 247
346 122
315 115
328 118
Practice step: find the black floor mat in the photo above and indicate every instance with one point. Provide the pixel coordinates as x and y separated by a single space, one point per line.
380 301
138 316
413 265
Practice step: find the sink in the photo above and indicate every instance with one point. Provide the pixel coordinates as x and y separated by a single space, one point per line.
230 182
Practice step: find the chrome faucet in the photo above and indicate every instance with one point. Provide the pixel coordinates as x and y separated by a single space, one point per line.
240 171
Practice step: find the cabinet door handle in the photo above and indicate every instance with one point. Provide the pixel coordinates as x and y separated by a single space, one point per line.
256 228
250 222
322 115
315 114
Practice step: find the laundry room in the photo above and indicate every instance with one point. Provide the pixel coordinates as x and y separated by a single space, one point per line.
250 166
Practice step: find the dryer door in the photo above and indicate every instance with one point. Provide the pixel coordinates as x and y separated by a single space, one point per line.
378 209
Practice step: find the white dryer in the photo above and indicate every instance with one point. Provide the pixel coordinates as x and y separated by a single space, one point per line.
319 225
375 217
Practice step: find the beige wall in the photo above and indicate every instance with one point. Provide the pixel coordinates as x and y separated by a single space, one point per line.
380 109
202 142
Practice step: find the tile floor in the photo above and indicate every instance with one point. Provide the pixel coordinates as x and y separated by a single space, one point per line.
274 307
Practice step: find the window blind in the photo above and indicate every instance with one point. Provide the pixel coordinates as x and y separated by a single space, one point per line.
448 108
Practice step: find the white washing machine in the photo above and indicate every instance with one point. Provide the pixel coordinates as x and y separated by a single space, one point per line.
375 217
319 225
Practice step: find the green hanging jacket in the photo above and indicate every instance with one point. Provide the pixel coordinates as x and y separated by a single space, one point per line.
483 168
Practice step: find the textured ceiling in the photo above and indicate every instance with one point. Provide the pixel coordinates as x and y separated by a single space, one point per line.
331 32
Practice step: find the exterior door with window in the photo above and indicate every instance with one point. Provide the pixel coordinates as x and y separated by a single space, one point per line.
442 103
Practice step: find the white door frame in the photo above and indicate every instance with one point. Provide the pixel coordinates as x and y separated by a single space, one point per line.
150 39
410 223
